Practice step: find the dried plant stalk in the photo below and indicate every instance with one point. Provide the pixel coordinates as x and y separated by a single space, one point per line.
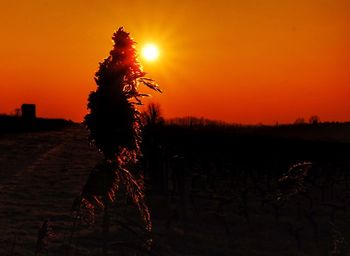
114 124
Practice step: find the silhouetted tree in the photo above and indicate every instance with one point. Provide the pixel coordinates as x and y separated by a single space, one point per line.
314 119
114 124
153 116
299 121
153 150
17 112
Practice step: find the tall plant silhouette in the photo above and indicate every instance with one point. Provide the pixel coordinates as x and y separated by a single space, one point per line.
114 124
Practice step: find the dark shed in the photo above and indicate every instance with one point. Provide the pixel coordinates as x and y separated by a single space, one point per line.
28 111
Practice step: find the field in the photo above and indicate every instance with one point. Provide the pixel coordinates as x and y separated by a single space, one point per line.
222 197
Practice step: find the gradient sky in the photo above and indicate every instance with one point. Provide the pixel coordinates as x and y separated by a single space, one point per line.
243 61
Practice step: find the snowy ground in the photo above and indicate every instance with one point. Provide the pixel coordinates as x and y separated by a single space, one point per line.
41 173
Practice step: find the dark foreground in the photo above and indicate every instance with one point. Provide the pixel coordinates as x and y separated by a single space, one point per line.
225 207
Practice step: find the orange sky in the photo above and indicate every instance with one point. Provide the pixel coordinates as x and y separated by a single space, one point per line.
243 61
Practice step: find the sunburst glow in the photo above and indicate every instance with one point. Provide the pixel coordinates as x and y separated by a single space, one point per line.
150 52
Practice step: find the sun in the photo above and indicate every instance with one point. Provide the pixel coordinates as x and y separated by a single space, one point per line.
150 52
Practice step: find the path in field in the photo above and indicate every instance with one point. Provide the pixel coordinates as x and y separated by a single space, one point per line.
40 175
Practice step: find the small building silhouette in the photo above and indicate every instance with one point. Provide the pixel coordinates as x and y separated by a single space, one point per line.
28 112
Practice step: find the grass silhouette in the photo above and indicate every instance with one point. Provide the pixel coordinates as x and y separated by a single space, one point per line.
115 129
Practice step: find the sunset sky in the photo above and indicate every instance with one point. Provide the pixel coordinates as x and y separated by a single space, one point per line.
242 61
